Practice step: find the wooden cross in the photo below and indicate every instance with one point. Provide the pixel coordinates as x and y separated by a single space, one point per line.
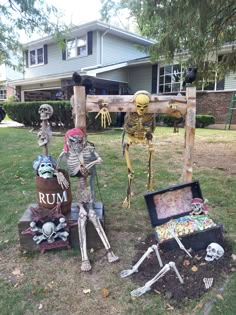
159 104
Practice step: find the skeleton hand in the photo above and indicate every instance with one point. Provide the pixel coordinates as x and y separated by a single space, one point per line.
105 115
62 181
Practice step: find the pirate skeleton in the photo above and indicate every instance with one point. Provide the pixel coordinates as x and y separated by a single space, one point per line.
81 159
139 127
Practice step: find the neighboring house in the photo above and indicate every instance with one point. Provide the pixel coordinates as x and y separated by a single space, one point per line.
111 57
7 75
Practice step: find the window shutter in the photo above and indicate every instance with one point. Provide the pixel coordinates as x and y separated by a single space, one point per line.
154 78
26 55
45 52
90 42
64 51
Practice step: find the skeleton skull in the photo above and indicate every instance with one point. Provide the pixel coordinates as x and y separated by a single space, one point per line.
45 111
198 206
214 252
142 100
49 231
46 170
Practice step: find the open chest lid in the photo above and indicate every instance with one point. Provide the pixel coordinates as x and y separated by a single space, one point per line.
172 202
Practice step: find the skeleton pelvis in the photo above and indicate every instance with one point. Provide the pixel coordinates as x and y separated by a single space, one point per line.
137 137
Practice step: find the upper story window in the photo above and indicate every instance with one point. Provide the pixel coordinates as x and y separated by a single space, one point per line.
77 47
36 56
3 93
170 79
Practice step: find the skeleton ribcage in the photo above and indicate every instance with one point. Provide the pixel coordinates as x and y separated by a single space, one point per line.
135 123
85 157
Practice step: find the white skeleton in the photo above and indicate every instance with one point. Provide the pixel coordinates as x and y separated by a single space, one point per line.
147 287
81 160
49 231
45 111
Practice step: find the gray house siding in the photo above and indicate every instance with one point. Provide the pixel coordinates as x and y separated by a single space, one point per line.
119 50
57 65
140 78
120 75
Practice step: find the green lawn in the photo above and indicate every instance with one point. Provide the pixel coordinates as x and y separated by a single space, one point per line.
52 283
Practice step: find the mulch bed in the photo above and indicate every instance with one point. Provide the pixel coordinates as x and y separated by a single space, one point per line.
169 285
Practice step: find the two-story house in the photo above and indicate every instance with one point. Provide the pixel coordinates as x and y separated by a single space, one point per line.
116 62
109 56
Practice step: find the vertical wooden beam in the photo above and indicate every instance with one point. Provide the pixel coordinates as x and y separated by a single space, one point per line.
80 107
190 124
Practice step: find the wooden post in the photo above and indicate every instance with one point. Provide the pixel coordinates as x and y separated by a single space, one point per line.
80 107
189 134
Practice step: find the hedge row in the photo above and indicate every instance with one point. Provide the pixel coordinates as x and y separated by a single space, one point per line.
202 121
27 114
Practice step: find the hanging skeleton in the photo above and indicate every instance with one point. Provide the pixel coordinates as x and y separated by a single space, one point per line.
81 159
139 126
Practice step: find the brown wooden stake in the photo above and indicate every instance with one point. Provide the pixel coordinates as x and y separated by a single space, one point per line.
189 134
80 107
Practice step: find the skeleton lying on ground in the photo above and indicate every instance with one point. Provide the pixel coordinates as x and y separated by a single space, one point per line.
147 287
81 159
139 126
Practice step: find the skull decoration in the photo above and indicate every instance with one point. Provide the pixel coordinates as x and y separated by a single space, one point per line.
214 252
142 100
49 231
43 137
198 206
44 166
45 111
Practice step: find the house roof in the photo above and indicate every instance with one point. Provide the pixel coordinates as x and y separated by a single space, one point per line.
92 26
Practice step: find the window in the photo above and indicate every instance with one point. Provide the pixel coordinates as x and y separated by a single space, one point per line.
36 56
170 78
3 93
77 47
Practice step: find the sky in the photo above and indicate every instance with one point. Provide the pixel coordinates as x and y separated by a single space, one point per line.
78 11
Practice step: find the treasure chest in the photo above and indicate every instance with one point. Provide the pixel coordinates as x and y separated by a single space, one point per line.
174 217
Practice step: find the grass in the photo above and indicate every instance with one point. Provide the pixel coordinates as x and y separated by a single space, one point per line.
51 283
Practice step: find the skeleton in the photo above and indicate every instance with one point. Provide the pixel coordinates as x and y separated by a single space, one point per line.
45 167
104 113
44 135
147 287
198 206
49 231
208 282
139 127
214 252
81 159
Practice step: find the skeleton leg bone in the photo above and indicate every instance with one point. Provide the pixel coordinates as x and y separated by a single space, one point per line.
111 257
85 266
126 202
147 287
128 272
181 245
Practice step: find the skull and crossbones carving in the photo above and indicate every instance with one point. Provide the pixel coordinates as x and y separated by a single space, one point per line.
45 111
49 231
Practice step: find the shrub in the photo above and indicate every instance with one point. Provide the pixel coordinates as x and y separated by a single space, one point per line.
202 121
27 113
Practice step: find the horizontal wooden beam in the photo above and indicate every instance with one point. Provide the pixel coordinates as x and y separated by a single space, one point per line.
125 103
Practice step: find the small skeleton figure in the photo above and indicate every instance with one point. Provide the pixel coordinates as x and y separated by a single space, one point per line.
81 159
45 134
198 206
45 167
139 127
